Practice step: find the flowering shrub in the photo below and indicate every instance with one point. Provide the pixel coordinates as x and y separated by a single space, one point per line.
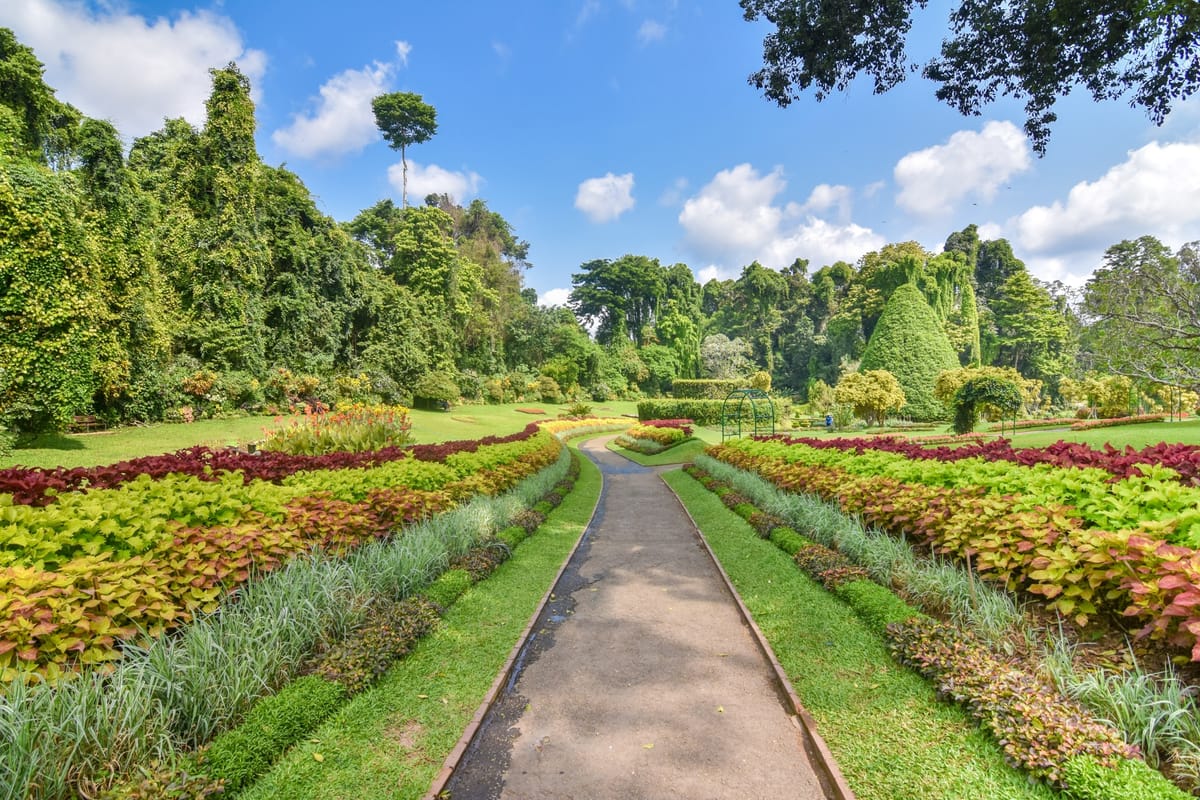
1089 424
354 429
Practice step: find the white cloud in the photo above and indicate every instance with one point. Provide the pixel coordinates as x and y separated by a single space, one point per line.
825 197
973 163
651 31
605 199
342 121
432 179
1156 190
710 273
554 297
872 189
989 231
733 220
403 48
115 65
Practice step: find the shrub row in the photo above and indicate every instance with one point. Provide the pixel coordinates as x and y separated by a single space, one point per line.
646 447
1183 459
704 389
388 632
1040 730
78 614
39 486
1154 503
1042 550
1089 424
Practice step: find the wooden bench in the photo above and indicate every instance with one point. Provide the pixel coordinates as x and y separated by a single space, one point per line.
84 423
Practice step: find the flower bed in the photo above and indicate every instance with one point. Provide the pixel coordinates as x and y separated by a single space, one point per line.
1039 545
1090 424
149 554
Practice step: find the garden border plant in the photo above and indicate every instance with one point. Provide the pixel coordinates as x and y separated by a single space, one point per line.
1038 728
248 655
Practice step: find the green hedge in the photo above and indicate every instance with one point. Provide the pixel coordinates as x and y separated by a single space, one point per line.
1088 779
689 389
448 587
274 724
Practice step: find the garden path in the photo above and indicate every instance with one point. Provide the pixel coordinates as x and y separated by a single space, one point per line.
641 679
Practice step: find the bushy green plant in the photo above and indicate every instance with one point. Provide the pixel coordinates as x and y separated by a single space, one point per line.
448 587
162 782
479 562
910 342
787 539
388 632
274 724
512 535
1084 777
875 604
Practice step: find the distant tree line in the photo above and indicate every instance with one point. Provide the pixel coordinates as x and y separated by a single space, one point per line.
187 277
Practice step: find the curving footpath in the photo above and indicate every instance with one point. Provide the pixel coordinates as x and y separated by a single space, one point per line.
640 678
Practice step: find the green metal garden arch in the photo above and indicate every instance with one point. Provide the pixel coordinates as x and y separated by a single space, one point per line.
733 413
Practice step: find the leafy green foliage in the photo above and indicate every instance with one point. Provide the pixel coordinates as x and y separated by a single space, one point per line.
1088 778
1038 728
448 587
705 389
273 724
872 394
1001 394
388 631
1021 49
910 343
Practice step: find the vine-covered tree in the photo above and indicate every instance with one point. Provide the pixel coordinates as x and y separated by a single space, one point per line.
1040 51
872 394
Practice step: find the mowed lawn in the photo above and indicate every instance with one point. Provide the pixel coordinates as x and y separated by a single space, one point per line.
107 447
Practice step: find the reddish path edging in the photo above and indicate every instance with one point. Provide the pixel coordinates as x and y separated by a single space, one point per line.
460 749
822 759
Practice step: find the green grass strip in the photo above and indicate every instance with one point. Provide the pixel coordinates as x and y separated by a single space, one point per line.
892 738
391 740
682 453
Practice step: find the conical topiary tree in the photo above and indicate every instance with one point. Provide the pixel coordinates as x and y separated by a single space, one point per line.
911 343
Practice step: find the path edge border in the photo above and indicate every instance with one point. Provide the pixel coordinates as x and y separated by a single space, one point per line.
489 700
831 776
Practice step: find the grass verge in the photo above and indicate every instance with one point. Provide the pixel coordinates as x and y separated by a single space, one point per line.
683 453
390 741
892 738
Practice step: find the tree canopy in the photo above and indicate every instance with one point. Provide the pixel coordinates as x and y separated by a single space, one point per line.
404 119
1148 50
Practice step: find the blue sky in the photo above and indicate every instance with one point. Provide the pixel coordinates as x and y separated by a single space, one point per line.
605 127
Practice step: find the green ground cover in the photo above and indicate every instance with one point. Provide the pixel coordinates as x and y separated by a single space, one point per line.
680 454
1137 436
391 741
107 447
891 736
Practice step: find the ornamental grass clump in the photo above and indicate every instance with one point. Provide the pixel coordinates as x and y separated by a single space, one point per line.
353 429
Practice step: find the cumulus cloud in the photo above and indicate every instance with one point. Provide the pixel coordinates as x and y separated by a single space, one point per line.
554 297
604 199
651 31
734 220
1156 190
342 121
971 163
116 65
825 197
424 180
673 195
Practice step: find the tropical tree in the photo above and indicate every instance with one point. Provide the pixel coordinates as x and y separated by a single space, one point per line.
1145 308
872 394
404 119
619 298
722 357
1027 49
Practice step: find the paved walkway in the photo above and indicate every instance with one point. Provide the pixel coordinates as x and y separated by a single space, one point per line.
641 679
